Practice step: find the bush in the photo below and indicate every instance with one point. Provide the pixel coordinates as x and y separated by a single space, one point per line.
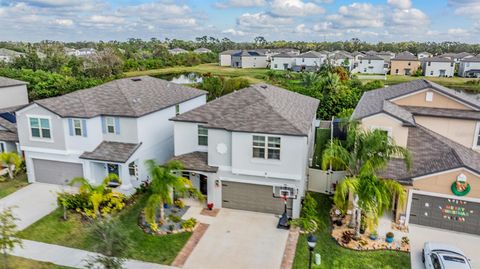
73 201
234 84
81 203
179 203
189 224
175 218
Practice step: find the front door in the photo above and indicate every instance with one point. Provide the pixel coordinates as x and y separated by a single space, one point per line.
113 169
442 73
407 72
203 184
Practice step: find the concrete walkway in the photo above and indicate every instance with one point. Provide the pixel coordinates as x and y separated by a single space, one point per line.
32 202
71 257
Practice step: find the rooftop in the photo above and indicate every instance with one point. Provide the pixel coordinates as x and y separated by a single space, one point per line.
196 161
405 56
8 82
111 152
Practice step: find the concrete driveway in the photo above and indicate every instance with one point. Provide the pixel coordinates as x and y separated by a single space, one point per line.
420 234
240 239
32 202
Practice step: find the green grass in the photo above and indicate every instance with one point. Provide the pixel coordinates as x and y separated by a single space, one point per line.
323 135
254 75
77 234
335 257
22 263
454 82
8 186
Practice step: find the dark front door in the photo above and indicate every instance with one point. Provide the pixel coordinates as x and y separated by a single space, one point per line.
203 184
445 213
112 169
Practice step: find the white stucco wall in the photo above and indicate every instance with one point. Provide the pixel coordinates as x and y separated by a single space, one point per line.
433 70
226 60
465 66
278 63
13 96
186 138
371 67
217 139
300 61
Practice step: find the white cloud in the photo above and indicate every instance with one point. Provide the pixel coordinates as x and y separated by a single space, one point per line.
234 32
293 8
63 22
409 17
457 32
240 3
262 20
302 29
357 15
400 4
465 7
323 26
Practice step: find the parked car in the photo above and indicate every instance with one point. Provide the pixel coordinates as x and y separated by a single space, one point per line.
443 256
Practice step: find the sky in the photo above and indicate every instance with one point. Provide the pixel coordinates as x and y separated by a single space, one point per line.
241 20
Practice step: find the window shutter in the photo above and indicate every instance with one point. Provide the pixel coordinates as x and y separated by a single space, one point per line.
70 126
117 125
84 128
104 126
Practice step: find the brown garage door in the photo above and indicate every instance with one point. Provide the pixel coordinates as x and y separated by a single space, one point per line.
54 172
252 197
451 214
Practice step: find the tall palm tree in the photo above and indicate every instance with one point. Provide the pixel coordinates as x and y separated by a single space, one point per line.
163 184
11 161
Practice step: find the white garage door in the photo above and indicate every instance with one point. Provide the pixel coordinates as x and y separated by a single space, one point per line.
54 172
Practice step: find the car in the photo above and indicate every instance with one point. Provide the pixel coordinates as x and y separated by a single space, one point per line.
442 256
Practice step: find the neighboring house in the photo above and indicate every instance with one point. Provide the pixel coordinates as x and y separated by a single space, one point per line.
309 61
469 67
282 61
12 92
8 130
424 54
341 58
225 57
404 63
457 57
249 59
176 51
111 128
441 129
241 149
370 64
8 56
202 50
438 67
272 52
387 57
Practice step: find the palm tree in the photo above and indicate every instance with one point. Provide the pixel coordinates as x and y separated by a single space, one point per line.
163 183
310 79
96 193
11 161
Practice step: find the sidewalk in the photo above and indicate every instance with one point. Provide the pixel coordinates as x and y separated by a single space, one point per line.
71 257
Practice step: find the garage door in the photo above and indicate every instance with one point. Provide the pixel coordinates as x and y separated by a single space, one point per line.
451 214
54 172
252 197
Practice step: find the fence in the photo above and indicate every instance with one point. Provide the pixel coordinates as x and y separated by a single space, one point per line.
324 181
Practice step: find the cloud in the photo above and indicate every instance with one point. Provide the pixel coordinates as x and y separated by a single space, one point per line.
457 32
63 22
357 15
262 20
240 3
409 17
302 29
295 8
234 32
465 7
400 4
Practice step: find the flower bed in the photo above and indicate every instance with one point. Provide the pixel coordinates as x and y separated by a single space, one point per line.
172 223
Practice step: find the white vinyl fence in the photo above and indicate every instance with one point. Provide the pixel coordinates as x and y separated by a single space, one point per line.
324 181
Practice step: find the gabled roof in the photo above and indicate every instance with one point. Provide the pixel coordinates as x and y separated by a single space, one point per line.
444 112
202 50
229 52
311 54
405 56
341 55
248 53
8 82
260 108
283 55
107 151
196 161
128 97
475 59
437 59
10 132
371 57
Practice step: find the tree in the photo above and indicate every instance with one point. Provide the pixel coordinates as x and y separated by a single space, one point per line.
309 221
112 243
8 229
163 183
11 161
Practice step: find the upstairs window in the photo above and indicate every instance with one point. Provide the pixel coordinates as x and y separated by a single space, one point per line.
202 136
40 128
266 147
110 124
177 109
478 137
77 127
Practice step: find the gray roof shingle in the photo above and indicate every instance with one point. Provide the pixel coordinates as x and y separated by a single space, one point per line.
128 97
111 152
370 57
437 59
311 54
444 112
405 56
7 82
196 161
260 108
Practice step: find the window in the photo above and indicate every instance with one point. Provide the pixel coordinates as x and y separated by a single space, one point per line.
177 109
77 127
396 71
266 147
451 64
202 136
275 66
436 262
478 136
113 169
40 128
431 73
429 63
110 123
429 96
369 61
303 60
133 169
2 147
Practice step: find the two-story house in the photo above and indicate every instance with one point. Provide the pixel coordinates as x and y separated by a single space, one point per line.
244 149
441 129
469 67
282 61
249 59
309 61
369 64
438 67
111 128
404 63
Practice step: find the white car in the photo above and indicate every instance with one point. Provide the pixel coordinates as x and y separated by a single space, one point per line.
443 256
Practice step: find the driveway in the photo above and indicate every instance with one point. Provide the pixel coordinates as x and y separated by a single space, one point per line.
420 234
32 202
240 239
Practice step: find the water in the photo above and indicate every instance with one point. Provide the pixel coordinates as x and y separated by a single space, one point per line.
187 78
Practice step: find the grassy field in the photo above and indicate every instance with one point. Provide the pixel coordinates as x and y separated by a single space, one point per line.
78 234
335 257
8 186
454 83
21 263
252 74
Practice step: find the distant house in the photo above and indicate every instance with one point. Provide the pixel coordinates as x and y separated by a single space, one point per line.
309 61
83 52
387 57
424 54
438 67
272 52
202 50
370 64
225 57
457 57
282 61
176 51
404 63
249 59
12 92
8 56
469 67
342 58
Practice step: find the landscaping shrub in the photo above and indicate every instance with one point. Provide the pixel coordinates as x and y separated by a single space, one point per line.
234 84
109 203
175 218
189 224
179 203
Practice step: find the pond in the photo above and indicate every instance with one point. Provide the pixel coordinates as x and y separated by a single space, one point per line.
182 78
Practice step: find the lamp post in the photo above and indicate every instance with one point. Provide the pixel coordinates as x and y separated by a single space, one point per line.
311 242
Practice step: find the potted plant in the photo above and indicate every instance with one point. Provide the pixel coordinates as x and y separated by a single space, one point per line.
389 237
405 241
373 235
210 206
113 180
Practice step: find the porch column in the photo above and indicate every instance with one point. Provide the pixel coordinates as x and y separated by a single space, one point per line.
125 178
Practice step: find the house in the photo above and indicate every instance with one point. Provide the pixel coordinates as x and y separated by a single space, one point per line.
244 149
438 67
404 63
272 52
344 59
387 57
370 64
424 54
440 127
282 61
176 51
111 128
83 52
225 57
8 130
12 92
309 61
249 59
8 56
469 67
202 50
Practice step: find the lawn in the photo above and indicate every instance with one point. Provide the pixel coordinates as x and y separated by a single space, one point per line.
335 257
22 263
8 186
77 234
454 83
323 135
254 75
